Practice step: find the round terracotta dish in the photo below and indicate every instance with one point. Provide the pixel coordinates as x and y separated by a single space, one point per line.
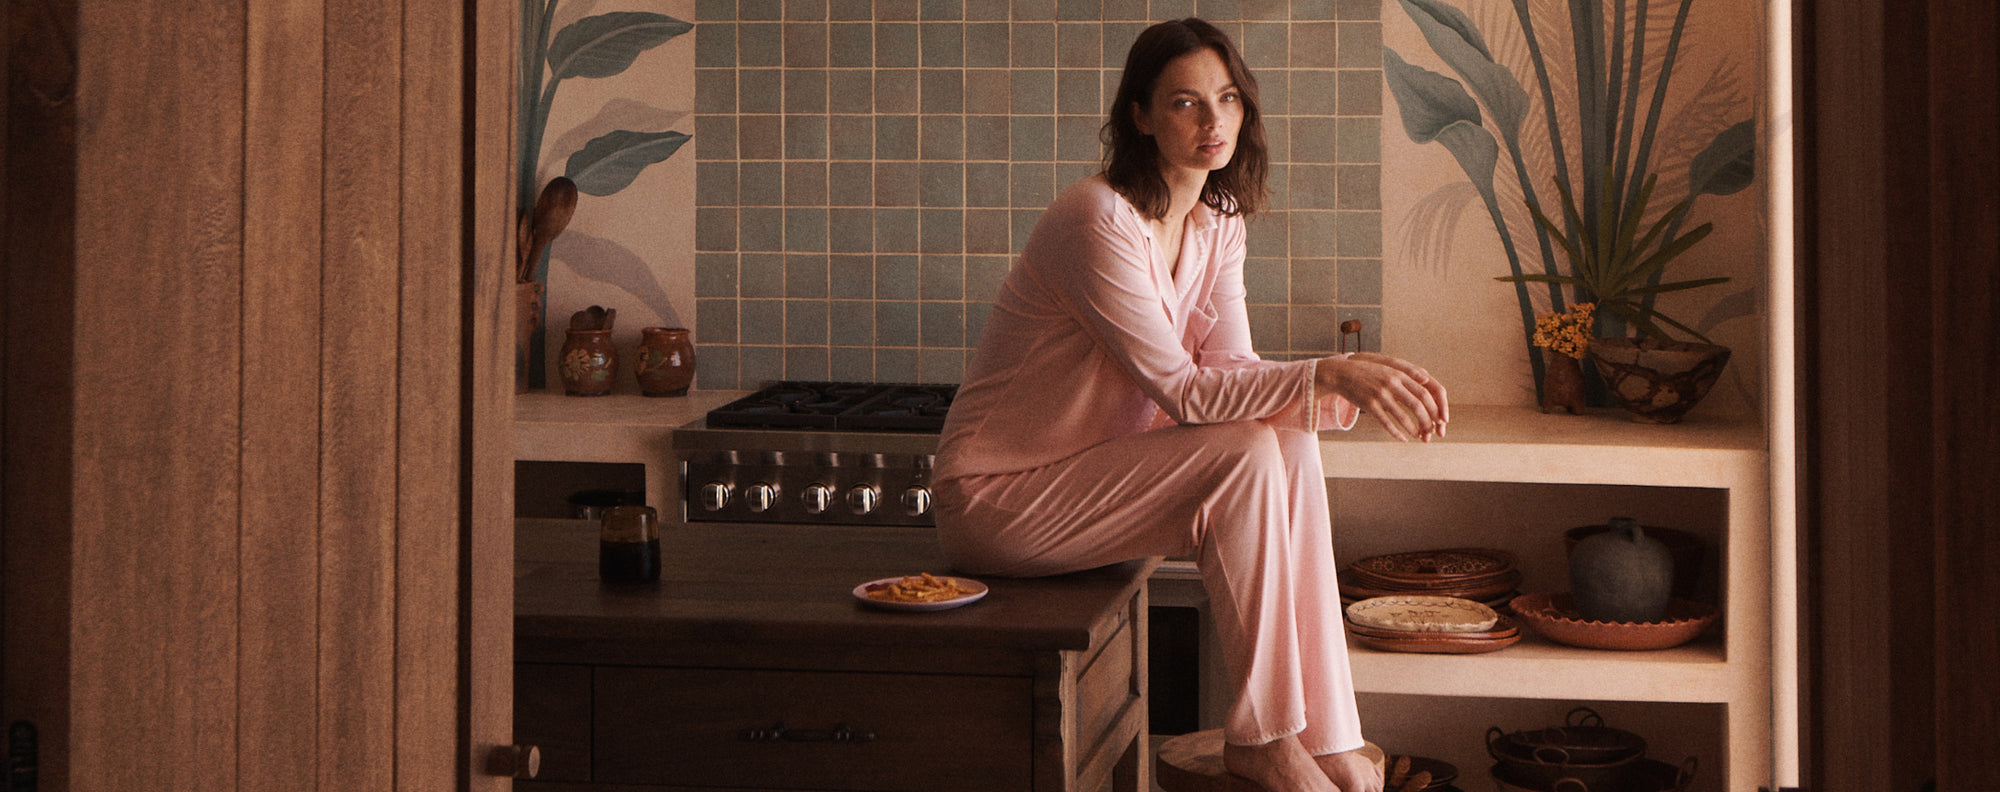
1436 643
1494 593
1505 633
1555 618
1421 614
1458 568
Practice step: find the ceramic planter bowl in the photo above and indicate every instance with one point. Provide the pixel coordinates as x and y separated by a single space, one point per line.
1657 381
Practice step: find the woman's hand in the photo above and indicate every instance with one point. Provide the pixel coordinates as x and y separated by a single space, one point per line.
1401 395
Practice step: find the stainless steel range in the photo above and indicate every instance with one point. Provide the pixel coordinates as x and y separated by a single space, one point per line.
827 453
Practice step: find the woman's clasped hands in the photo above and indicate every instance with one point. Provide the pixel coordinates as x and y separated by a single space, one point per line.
1401 395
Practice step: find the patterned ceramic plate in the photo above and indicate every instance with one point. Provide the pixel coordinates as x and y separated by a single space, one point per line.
1423 614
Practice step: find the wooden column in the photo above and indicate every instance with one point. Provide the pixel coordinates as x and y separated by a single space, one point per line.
1899 266
248 390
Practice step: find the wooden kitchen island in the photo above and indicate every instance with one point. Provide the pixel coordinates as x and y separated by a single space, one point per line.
750 665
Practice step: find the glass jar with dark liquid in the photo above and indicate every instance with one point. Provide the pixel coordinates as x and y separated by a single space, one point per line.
628 547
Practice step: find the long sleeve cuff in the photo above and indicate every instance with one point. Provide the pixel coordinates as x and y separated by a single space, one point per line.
1328 411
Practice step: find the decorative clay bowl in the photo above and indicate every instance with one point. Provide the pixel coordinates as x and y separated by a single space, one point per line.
1552 616
1657 381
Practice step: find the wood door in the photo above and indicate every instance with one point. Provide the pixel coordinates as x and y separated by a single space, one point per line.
1900 265
257 392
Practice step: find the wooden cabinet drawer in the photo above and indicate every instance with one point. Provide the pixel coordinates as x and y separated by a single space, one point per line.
714 727
552 712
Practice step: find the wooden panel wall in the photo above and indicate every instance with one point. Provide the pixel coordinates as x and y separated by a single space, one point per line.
241 416
1901 270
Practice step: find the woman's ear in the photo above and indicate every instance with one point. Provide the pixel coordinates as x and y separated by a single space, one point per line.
1139 119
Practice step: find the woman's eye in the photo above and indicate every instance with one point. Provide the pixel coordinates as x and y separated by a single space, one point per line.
1230 97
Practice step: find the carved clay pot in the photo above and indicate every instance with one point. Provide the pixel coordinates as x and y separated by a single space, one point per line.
1657 381
1621 575
588 363
666 361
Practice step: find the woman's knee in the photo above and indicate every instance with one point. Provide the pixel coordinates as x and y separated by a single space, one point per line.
1253 441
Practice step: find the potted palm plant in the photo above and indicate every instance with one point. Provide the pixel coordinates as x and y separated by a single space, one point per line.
1652 375
1599 160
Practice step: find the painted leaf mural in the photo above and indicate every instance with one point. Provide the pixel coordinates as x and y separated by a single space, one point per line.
597 46
605 45
610 163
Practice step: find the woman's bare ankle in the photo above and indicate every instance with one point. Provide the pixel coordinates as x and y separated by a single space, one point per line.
1281 765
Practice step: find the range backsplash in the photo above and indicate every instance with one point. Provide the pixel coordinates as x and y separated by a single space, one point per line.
866 171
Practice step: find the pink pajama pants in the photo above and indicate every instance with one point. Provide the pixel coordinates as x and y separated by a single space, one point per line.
1248 500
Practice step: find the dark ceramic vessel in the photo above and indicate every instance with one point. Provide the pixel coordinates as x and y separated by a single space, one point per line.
1621 575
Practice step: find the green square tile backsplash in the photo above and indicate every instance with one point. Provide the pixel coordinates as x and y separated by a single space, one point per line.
868 170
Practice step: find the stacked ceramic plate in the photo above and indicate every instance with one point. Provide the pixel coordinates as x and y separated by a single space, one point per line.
1480 574
1429 624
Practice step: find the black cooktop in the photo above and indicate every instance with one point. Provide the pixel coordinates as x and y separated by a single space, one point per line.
877 406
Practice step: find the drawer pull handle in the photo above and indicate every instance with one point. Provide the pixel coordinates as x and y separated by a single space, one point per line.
778 733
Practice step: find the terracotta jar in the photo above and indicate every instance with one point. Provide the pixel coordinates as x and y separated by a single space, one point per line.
589 362
1562 383
666 361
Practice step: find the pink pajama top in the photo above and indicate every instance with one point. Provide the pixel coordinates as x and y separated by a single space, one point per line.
1092 338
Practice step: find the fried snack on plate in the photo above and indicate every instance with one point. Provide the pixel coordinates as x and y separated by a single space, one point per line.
917 588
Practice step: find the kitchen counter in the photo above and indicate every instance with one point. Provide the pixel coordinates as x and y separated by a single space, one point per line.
784 583
751 664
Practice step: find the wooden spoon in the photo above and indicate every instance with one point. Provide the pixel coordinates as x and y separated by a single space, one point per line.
524 238
553 210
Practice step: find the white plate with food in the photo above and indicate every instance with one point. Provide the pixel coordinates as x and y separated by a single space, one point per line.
920 592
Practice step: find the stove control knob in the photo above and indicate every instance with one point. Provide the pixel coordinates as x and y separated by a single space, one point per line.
818 498
916 500
862 498
714 496
760 496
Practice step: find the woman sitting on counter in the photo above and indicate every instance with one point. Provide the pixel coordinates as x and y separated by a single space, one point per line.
1114 409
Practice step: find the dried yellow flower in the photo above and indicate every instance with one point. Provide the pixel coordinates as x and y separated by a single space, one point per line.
1567 332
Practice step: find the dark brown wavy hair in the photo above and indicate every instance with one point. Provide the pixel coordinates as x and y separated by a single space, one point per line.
1132 159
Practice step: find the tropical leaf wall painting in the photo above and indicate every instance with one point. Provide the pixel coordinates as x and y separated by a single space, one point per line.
1573 146
596 46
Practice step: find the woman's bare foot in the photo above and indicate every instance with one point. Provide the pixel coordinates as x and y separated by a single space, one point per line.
1351 771
1281 765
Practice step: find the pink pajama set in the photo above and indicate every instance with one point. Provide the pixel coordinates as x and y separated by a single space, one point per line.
1115 410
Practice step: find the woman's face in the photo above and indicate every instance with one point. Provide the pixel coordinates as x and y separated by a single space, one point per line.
1195 114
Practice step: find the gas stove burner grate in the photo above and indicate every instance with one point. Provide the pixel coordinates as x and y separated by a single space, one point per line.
839 405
